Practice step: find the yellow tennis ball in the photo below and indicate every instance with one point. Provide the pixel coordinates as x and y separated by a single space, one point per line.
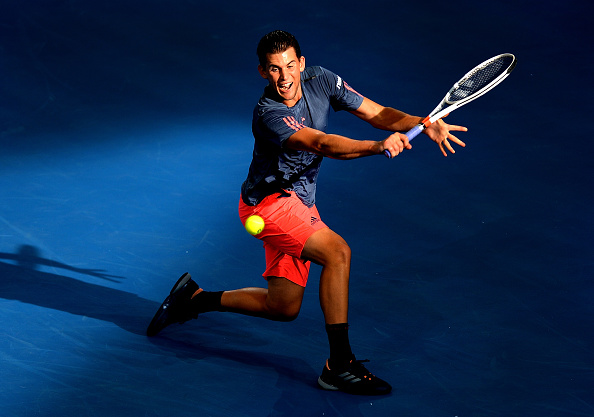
254 225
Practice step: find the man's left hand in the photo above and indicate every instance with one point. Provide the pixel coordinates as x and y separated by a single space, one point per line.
440 133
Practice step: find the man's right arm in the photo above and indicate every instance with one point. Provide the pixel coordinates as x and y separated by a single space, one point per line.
341 147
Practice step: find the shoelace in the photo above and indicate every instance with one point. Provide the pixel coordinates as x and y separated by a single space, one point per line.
359 365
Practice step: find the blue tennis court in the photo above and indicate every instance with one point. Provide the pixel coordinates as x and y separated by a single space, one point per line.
125 135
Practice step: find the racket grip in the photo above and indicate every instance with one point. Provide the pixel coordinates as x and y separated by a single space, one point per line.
411 134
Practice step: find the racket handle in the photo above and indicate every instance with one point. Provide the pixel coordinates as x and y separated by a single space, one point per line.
411 134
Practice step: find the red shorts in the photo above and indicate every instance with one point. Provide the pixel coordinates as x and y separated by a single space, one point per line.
288 224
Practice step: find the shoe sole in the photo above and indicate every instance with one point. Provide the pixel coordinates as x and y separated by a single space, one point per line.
324 385
330 387
183 280
156 323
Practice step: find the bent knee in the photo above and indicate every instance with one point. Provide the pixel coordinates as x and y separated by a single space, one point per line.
343 251
287 317
325 247
338 253
284 313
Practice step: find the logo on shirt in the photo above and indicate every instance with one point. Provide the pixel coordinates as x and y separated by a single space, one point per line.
293 124
338 82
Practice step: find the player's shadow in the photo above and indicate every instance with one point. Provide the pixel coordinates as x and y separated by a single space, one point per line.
22 280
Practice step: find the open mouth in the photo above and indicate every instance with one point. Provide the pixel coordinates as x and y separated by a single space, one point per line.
285 87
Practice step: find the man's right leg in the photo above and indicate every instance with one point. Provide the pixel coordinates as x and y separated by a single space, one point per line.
281 301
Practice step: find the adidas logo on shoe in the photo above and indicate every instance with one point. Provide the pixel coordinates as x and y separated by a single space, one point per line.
353 378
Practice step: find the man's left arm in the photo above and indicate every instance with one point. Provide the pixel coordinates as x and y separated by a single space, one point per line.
388 118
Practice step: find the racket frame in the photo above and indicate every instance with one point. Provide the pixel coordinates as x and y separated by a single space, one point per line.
437 114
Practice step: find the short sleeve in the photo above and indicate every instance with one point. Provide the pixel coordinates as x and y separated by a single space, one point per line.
342 95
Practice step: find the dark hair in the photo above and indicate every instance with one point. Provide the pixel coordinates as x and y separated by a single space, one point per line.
276 42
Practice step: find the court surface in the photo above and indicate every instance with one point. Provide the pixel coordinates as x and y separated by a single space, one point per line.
125 136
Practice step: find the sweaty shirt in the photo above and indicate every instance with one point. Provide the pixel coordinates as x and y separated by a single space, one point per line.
275 167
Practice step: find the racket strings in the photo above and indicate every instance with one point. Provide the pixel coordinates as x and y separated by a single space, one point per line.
479 78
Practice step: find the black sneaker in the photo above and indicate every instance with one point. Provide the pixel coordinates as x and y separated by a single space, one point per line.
175 308
353 378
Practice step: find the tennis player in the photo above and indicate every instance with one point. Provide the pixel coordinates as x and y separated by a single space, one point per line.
289 125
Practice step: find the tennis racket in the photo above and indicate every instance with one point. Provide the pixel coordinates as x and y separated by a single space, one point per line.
474 84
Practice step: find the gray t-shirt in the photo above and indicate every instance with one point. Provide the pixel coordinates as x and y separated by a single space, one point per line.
275 167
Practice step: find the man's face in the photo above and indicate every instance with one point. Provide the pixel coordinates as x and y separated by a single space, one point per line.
283 72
